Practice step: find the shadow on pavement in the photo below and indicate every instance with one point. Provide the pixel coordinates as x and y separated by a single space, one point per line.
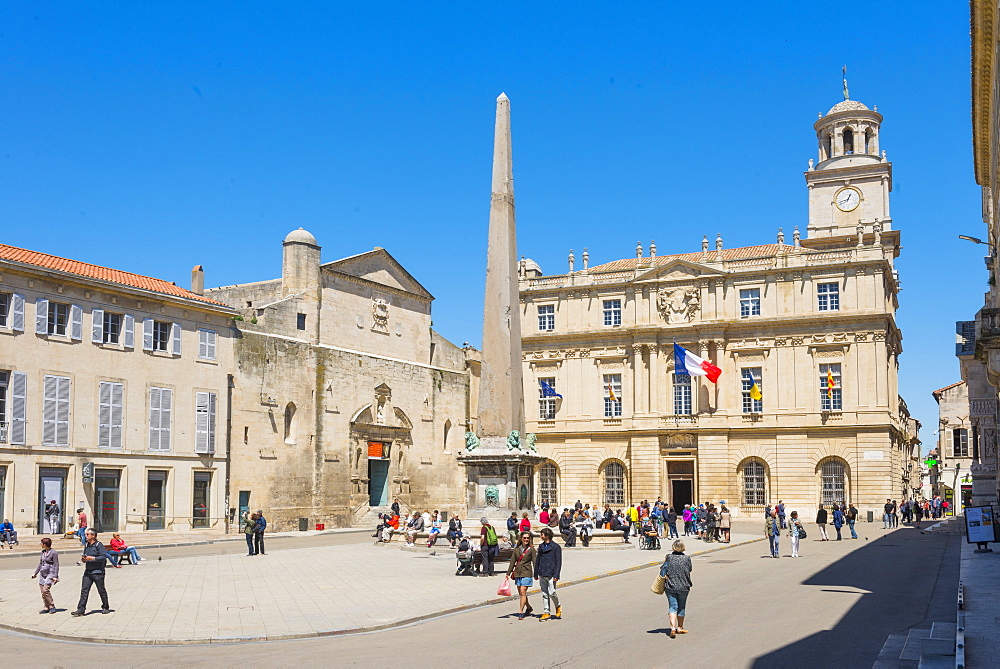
910 578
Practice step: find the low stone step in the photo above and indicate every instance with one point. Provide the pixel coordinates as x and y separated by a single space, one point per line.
911 649
943 630
932 646
936 662
888 657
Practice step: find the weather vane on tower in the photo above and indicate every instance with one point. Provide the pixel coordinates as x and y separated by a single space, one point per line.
847 94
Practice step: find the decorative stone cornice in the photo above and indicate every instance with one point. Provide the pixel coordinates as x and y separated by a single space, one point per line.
983 22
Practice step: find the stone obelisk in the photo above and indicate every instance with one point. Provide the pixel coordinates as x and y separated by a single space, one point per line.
501 392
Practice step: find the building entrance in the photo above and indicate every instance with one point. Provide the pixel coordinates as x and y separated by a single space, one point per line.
378 479
52 486
106 483
681 493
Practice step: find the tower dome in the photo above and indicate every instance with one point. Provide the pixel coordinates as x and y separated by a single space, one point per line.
300 236
847 105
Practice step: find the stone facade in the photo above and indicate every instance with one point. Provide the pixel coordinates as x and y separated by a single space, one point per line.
786 316
344 397
113 397
957 436
985 24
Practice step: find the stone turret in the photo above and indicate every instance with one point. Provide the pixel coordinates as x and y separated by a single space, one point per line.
300 278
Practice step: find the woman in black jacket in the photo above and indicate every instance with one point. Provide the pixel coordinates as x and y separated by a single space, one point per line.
566 529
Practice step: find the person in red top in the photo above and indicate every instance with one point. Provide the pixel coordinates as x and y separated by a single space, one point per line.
525 524
81 519
119 548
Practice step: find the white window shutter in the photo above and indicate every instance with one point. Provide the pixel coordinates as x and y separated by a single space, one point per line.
154 419
97 316
211 422
62 411
117 414
76 320
201 423
147 334
41 316
17 313
49 400
128 324
211 345
104 416
175 336
165 404
203 344
19 397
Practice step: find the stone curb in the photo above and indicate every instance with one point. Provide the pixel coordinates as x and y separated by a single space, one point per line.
346 632
205 542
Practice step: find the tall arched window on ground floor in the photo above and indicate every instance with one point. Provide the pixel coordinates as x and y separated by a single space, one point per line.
614 483
754 479
833 479
548 484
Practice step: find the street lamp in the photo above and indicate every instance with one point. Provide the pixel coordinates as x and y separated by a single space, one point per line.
977 240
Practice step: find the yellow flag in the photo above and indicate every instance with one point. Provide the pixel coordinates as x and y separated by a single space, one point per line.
755 392
611 393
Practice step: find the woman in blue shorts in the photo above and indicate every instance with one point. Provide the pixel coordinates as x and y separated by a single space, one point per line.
522 568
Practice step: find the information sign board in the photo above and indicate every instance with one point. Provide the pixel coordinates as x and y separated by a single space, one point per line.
980 525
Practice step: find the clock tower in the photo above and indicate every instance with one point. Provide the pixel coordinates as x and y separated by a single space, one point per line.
850 183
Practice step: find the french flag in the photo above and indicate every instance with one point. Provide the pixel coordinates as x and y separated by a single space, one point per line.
695 366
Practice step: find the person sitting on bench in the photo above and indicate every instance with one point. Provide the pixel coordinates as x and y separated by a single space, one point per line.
7 533
566 528
119 548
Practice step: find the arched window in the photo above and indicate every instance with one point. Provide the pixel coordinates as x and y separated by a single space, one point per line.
447 429
548 485
754 483
834 481
290 423
848 141
614 483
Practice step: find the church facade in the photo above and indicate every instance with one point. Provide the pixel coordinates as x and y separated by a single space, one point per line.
343 396
806 409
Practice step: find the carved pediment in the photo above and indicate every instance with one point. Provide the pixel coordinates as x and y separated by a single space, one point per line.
678 270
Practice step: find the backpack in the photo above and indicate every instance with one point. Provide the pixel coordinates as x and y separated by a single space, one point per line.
491 536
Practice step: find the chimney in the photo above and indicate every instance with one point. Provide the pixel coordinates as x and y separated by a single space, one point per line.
198 280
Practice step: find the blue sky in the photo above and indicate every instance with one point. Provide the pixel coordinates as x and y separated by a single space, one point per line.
152 139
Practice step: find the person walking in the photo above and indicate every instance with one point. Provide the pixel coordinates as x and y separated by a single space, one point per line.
258 533
81 530
772 530
725 523
522 569
838 520
512 530
249 527
821 520
52 517
548 570
676 568
672 524
48 574
94 559
852 517
794 532
781 513
886 510
489 545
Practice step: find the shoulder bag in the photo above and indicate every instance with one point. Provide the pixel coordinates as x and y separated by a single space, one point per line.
504 589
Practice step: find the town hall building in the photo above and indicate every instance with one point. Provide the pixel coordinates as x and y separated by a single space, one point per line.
803 327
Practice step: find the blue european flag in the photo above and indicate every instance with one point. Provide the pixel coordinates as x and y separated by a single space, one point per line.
548 391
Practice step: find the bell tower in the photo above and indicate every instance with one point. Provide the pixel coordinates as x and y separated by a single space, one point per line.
851 180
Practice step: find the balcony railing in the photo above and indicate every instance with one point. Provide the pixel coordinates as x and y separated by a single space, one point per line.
989 323
679 419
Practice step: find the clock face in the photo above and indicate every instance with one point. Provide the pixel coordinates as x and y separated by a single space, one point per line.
848 199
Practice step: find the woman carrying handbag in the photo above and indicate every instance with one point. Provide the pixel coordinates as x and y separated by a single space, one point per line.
522 568
675 573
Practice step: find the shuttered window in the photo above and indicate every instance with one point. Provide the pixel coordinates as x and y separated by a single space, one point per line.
18 407
206 344
128 325
109 418
204 428
55 411
5 300
17 313
160 405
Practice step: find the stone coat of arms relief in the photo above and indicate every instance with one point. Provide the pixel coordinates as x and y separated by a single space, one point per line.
678 305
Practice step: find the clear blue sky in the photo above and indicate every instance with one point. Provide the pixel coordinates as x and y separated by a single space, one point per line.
152 139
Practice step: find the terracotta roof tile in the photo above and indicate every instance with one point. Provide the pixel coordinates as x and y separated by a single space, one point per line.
941 390
740 253
46 261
